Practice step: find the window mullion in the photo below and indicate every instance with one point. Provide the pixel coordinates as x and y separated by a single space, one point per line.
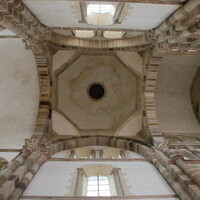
98 185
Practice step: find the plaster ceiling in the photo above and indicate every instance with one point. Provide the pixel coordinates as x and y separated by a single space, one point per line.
173 103
107 114
60 13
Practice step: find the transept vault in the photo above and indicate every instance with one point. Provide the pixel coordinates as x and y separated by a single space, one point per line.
100 99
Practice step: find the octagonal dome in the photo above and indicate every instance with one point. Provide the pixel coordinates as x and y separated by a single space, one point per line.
97 92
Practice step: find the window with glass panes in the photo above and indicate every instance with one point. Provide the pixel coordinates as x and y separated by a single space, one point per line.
101 9
98 186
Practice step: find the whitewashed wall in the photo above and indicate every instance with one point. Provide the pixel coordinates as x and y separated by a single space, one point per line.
173 104
55 178
19 91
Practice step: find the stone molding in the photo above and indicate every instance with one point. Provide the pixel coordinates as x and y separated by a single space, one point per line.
151 66
176 173
43 67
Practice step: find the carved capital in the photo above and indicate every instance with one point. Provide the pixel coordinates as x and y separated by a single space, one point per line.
165 46
32 42
152 36
115 171
81 171
45 32
164 144
33 144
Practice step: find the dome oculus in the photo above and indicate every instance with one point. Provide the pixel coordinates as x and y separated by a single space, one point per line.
96 91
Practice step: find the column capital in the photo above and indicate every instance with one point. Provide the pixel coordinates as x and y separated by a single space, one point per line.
81 171
164 144
34 144
115 170
152 36
45 32
31 42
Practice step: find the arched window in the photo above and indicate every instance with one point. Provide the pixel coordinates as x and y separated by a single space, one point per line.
100 14
98 186
98 180
100 8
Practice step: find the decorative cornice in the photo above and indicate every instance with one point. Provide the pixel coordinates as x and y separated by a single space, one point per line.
98 44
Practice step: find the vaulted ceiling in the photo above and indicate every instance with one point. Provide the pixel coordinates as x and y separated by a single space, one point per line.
147 75
66 14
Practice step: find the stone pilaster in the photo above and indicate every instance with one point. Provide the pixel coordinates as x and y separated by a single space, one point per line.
72 153
5 174
15 178
79 186
186 175
28 177
162 163
118 184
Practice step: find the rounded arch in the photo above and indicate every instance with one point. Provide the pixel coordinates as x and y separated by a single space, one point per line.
66 144
152 158
97 152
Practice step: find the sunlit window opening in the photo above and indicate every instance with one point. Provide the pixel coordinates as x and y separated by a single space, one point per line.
83 156
113 34
84 33
112 157
98 186
75 156
100 14
101 9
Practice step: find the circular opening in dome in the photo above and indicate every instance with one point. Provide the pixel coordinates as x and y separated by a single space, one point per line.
96 91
